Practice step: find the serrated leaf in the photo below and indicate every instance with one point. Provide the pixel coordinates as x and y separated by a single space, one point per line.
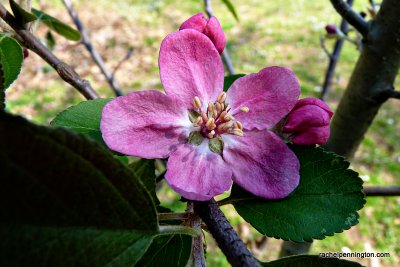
310 261
20 14
228 80
146 171
65 201
83 118
11 59
325 202
168 250
231 8
57 26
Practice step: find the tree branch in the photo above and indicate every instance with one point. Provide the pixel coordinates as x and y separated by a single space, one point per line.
92 50
334 57
230 243
64 71
226 59
351 16
379 191
394 94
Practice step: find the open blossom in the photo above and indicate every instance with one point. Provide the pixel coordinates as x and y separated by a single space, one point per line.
210 27
211 137
308 122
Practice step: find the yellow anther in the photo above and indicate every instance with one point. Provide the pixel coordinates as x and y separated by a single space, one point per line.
210 124
211 134
237 132
210 107
222 115
221 98
225 126
222 106
215 112
204 116
239 125
244 109
228 117
196 102
199 121
218 106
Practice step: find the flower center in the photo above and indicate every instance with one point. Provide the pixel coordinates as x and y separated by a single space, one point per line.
216 120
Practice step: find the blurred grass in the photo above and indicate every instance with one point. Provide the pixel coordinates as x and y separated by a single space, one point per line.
269 33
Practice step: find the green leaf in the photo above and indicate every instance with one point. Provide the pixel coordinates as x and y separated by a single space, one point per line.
65 201
325 202
50 41
11 59
145 170
83 118
168 250
228 80
57 26
20 14
231 8
310 261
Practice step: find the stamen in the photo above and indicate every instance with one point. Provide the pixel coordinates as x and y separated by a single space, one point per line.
210 124
210 107
239 125
196 102
228 117
211 134
236 132
199 121
222 106
244 109
218 106
204 116
221 98
225 126
222 115
215 112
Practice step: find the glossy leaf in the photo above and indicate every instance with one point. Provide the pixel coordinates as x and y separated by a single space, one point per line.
310 261
83 118
325 202
57 26
228 80
11 59
65 201
20 14
145 169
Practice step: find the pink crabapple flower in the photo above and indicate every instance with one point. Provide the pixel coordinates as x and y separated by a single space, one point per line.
211 137
210 27
308 122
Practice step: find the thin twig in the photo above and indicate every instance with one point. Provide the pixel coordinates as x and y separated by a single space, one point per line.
226 59
66 72
351 16
92 50
197 258
173 216
228 240
334 57
380 191
122 61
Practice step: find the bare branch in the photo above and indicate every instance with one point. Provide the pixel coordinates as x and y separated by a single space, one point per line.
122 61
228 240
92 50
64 71
394 94
380 191
351 16
225 56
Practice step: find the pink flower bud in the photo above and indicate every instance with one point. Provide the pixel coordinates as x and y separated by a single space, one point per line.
210 27
331 29
308 122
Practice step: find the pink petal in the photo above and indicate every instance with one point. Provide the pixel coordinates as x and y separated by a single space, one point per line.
197 22
305 117
214 31
269 94
315 135
190 66
197 173
146 124
313 101
262 164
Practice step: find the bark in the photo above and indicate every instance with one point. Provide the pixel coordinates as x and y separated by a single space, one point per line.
371 80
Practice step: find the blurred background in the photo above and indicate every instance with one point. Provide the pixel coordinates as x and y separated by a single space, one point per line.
283 33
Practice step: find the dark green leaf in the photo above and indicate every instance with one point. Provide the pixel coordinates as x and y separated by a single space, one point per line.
11 59
231 8
145 170
65 201
168 250
228 80
50 41
325 202
83 118
20 14
310 261
57 26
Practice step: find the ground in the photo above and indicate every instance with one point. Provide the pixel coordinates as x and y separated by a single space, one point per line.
268 33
